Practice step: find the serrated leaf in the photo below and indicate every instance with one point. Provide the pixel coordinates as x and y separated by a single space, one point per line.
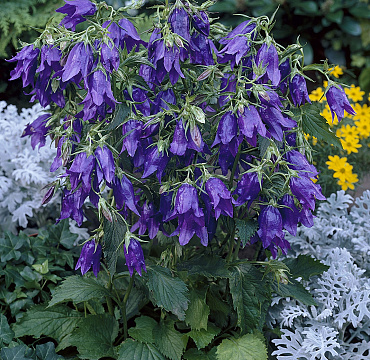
9 246
78 289
167 291
135 350
194 354
47 352
94 337
120 115
20 352
203 337
60 234
248 290
305 266
169 341
247 347
315 125
208 266
6 333
198 311
114 233
55 322
143 331
246 229
295 290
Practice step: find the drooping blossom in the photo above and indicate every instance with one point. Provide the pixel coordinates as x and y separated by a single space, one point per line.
190 216
72 202
220 197
37 130
26 65
149 220
267 61
76 11
131 131
179 22
155 161
338 102
298 90
182 142
247 189
306 191
81 171
201 49
109 57
134 257
105 163
90 257
251 125
289 214
299 162
123 192
200 22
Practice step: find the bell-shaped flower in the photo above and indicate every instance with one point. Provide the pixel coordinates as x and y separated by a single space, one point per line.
190 216
201 49
37 130
81 169
338 102
289 214
285 71
90 257
200 22
134 257
251 125
298 90
267 61
220 197
109 57
105 162
247 188
236 43
129 36
299 162
182 142
149 220
179 21
131 131
123 192
228 84
26 65
306 191
155 162
76 11
227 129
72 202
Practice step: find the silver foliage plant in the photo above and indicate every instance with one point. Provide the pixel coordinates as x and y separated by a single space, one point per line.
339 326
24 172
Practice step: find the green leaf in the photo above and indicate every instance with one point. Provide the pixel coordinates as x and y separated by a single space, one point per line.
351 26
167 291
295 290
203 337
20 352
135 350
194 354
6 333
143 331
364 79
315 125
305 266
246 229
60 234
42 268
120 115
247 347
336 16
249 291
94 337
55 322
198 311
114 233
47 352
169 341
208 266
9 246
78 289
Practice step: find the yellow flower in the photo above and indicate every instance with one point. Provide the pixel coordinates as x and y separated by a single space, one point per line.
347 130
326 113
348 182
344 173
336 71
336 163
363 127
317 95
362 112
354 93
350 144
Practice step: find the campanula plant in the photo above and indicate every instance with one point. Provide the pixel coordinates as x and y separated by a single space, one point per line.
188 142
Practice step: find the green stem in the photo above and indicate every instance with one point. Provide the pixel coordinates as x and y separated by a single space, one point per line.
236 162
124 317
236 252
231 244
108 298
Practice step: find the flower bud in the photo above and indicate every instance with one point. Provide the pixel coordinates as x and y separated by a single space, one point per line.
48 196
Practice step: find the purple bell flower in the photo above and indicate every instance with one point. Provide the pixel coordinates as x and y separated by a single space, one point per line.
228 84
285 72
201 50
247 189
306 191
26 65
81 169
182 142
300 163
37 130
200 22
220 197
149 220
227 129
134 257
236 44
268 57
306 217
105 162
72 202
131 130
123 192
90 256
155 161
129 36
76 10
179 21
109 57
250 125
298 90
289 214
338 102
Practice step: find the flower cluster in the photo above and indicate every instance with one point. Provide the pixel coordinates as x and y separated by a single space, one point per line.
187 133
353 132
